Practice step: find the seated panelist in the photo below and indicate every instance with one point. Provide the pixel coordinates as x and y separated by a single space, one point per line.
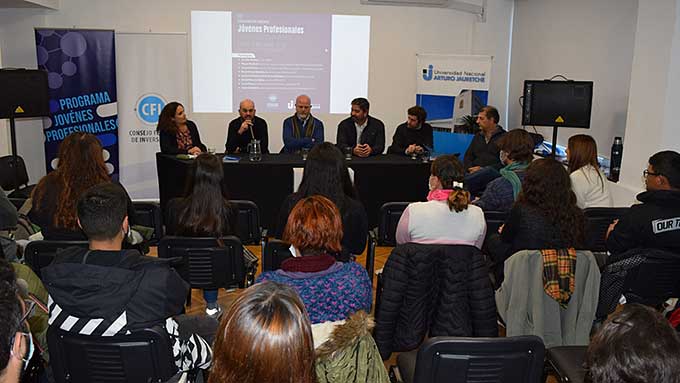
178 135
414 135
363 133
245 128
301 130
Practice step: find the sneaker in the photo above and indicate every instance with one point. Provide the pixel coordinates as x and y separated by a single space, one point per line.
214 310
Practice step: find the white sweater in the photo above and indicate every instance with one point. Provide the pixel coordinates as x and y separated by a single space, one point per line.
433 223
590 189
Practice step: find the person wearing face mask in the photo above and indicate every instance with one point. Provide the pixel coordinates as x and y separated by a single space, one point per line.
516 152
17 344
447 218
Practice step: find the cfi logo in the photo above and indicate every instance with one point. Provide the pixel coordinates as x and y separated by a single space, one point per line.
149 108
427 73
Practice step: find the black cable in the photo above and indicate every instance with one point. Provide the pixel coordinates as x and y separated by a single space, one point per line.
558 75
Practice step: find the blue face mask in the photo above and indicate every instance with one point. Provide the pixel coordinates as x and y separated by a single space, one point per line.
29 352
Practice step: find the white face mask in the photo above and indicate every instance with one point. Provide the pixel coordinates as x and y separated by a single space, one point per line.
503 156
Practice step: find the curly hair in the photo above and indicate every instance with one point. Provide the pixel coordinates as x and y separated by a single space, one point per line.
81 166
547 187
166 122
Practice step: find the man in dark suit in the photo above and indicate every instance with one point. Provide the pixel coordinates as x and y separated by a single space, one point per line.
369 130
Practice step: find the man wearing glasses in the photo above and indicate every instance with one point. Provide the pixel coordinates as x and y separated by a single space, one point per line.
654 223
17 345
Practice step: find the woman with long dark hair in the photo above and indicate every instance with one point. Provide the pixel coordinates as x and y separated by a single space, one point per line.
178 135
264 337
545 215
331 290
205 210
326 174
447 217
80 166
587 180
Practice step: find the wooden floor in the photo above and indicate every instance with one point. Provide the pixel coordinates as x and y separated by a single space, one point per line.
225 298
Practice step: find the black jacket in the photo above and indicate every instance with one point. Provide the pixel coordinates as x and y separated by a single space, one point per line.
434 290
354 222
405 136
109 283
241 141
479 153
373 135
653 224
169 141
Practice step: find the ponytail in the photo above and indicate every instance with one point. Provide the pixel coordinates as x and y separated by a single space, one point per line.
459 198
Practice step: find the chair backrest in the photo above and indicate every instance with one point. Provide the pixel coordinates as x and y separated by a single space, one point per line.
598 220
390 213
249 229
494 220
143 356
17 202
39 254
458 360
275 252
654 281
12 172
205 263
149 214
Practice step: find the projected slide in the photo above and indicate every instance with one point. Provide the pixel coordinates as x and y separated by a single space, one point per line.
272 58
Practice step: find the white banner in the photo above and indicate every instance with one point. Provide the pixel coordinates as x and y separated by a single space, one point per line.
452 86
152 71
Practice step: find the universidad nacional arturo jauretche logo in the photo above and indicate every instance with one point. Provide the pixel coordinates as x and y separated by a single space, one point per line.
427 73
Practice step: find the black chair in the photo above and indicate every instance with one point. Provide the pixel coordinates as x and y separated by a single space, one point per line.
384 234
653 282
494 220
598 220
18 202
249 228
458 360
39 254
149 214
275 252
143 356
566 363
13 176
208 265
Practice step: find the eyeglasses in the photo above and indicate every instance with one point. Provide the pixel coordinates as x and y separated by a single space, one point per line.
646 173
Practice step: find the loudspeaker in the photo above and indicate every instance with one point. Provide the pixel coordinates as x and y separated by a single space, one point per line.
23 93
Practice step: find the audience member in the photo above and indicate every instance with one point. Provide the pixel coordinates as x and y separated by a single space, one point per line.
363 133
302 130
81 166
104 290
245 128
635 345
655 222
330 290
264 337
17 346
545 215
178 135
8 223
447 217
413 136
516 152
326 174
587 180
204 212
482 158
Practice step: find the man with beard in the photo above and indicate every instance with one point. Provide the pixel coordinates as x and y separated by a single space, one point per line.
363 133
245 128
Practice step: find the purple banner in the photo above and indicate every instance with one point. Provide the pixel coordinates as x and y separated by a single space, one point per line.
81 66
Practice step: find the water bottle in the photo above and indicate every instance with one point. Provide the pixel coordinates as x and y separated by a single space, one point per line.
254 150
615 159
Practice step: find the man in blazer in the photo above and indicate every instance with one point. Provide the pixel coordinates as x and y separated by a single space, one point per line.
369 130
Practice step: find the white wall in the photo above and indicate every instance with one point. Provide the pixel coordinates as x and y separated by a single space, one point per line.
652 123
590 40
4 133
397 34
